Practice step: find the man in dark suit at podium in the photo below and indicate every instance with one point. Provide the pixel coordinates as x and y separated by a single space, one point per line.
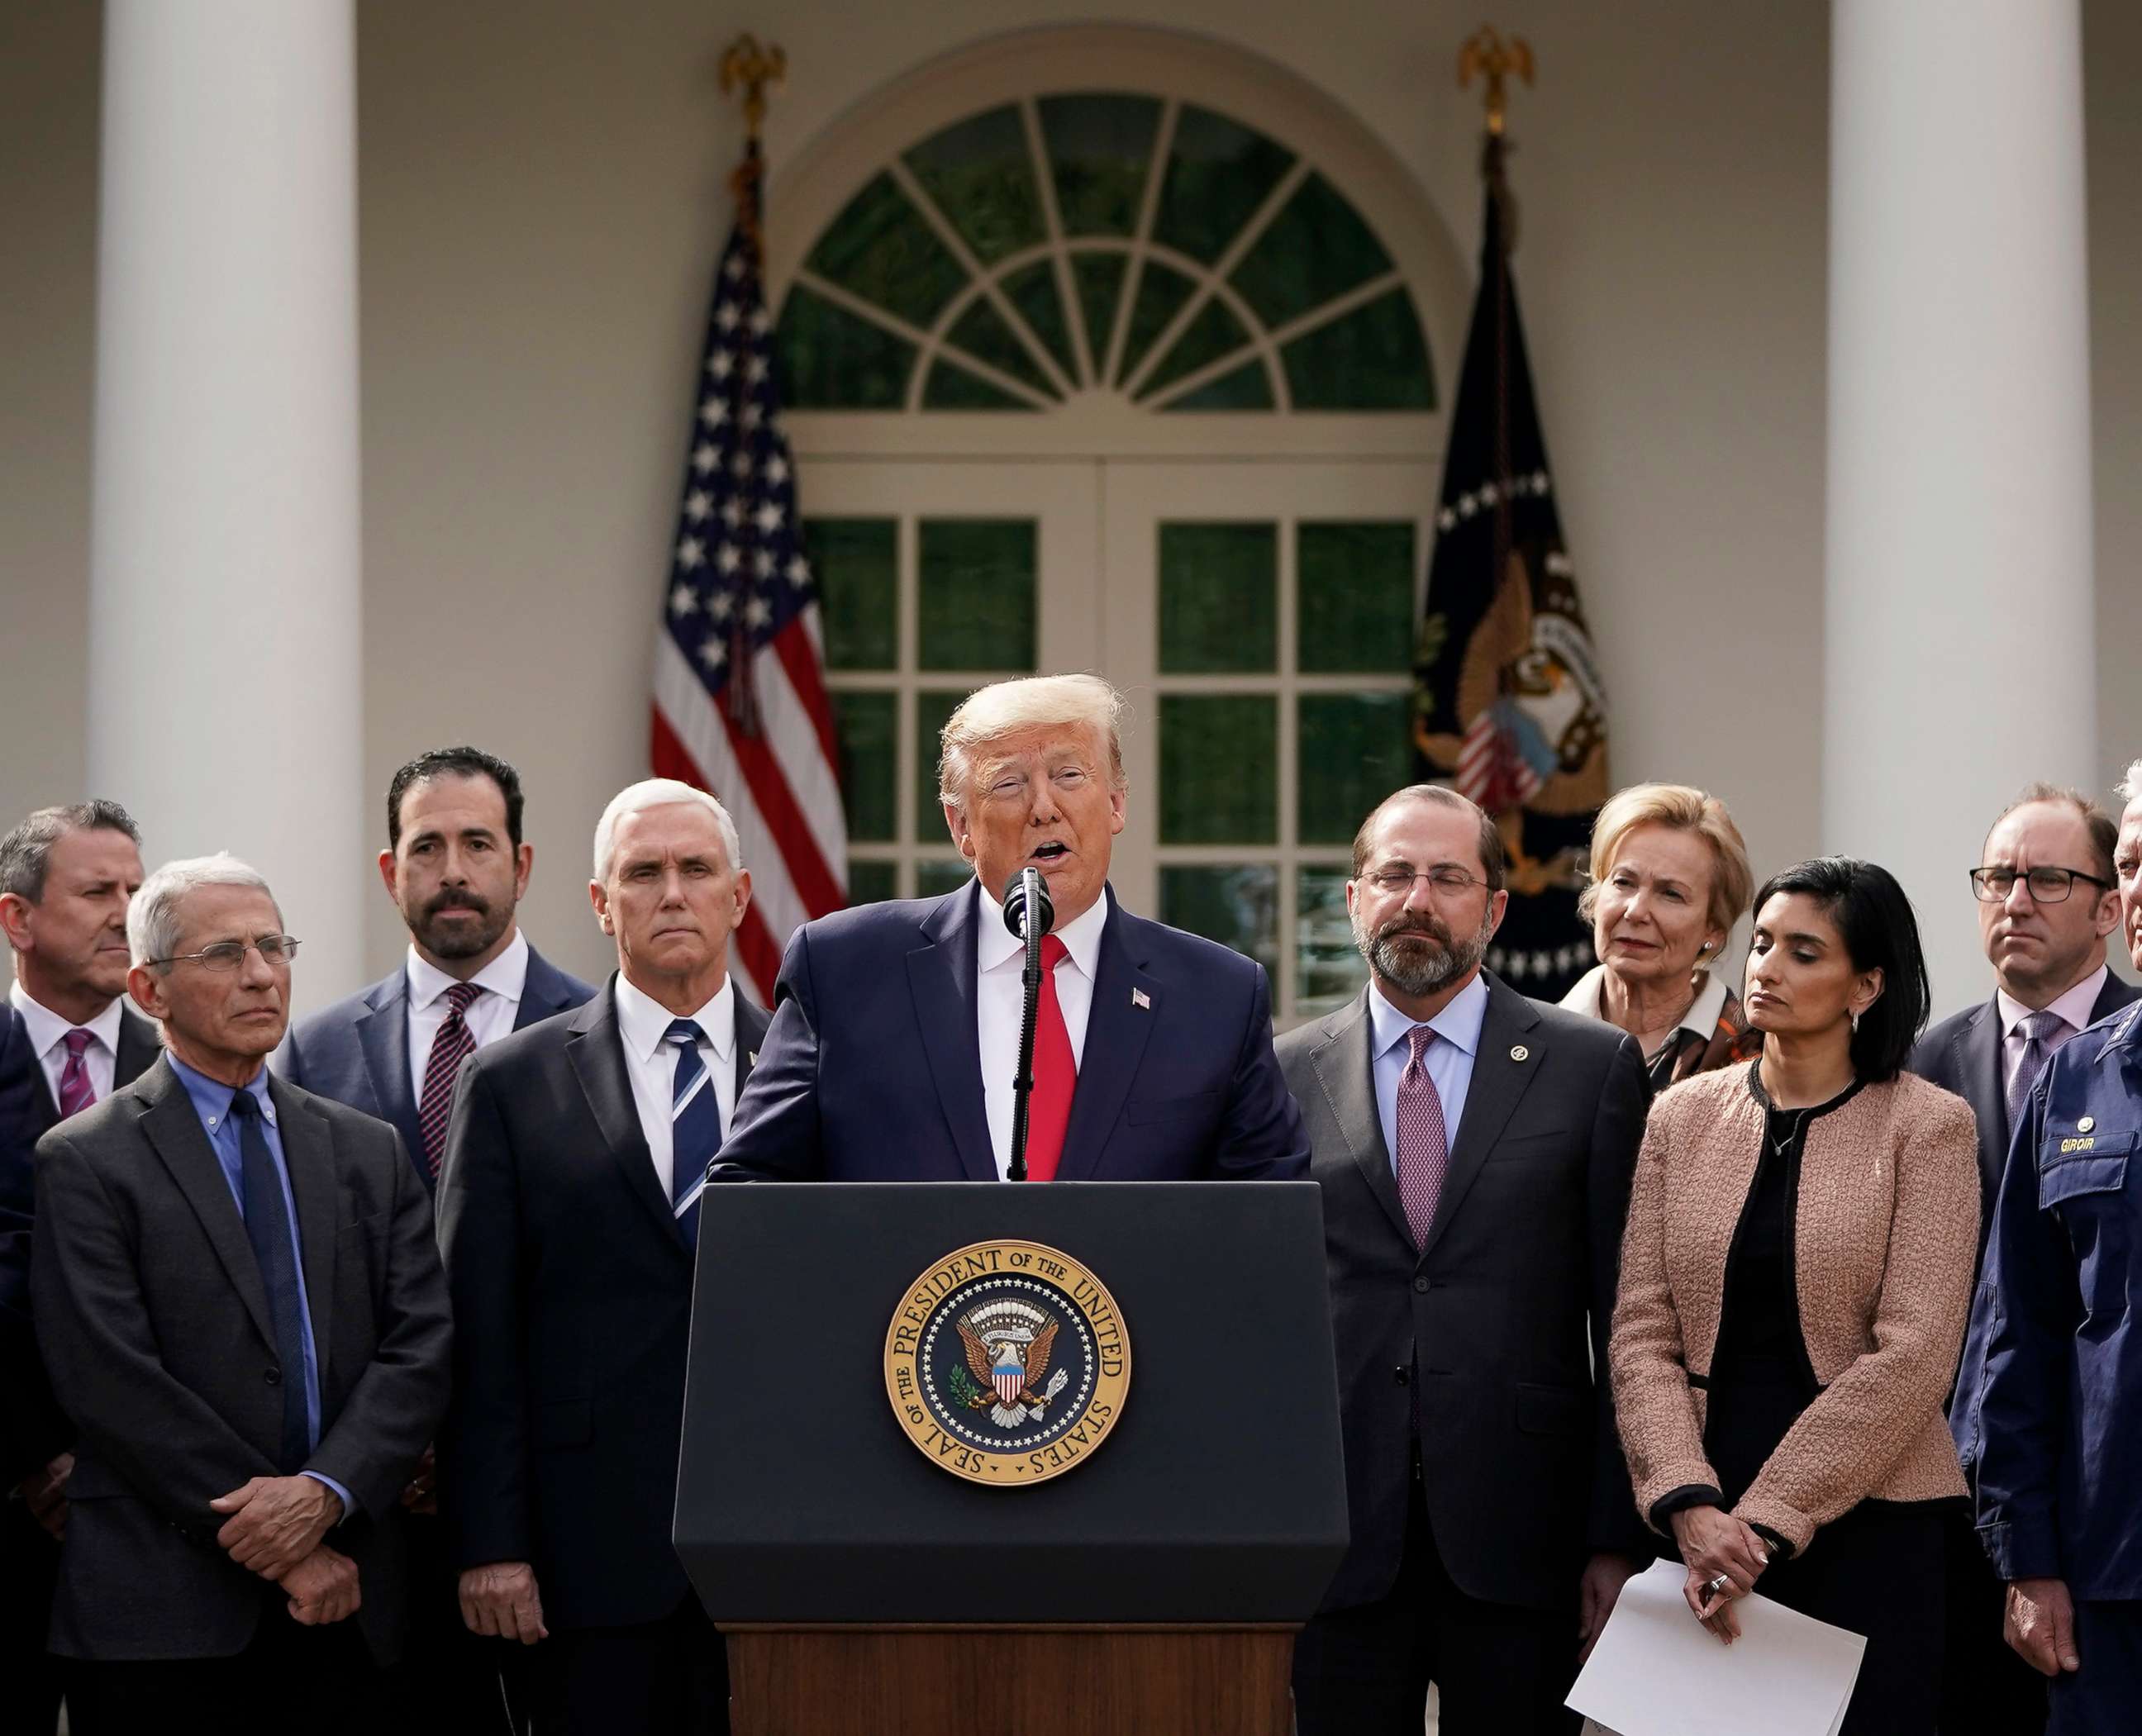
1475 1150
2046 902
897 1025
569 1215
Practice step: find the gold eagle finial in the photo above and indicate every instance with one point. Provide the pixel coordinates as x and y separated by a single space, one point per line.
756 70
1486 55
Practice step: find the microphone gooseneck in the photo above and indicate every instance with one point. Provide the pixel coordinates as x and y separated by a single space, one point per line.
1026 894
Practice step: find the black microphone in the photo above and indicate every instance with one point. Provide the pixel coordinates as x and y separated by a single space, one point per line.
1027 892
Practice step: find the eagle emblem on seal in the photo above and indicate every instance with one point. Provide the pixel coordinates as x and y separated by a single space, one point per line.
1008 1345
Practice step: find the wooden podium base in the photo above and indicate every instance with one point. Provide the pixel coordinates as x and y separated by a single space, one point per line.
1042 1680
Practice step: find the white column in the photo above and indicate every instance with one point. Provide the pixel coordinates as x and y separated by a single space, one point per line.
1959 633
225 700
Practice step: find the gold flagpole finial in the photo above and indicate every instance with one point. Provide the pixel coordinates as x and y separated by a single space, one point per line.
756 70
1488 54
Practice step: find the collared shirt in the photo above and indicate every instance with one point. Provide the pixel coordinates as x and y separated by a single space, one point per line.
1589 996
1001 1003
490 1015
1449 1061
2072 1008
651 1059
211 1101
48 1038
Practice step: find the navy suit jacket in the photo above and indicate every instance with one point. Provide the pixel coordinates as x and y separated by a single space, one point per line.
356 1051
871 1069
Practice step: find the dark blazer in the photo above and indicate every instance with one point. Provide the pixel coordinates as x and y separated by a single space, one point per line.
34 1430
154 1324
356 1051
572 1294
872 1072
1521 1460
1962 1055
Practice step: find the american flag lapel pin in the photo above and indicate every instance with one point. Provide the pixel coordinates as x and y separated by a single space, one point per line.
1141 1000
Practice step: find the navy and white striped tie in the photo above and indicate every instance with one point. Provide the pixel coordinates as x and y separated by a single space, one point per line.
695 1127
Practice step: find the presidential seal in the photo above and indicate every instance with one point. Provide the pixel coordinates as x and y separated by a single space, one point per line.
1006 1364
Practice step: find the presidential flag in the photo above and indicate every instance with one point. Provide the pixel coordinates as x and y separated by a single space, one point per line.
740 704
1508 706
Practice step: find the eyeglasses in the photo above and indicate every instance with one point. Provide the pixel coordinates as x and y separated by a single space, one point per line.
2048 885
1444 882
229 955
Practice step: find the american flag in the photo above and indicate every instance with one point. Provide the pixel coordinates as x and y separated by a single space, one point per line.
740 705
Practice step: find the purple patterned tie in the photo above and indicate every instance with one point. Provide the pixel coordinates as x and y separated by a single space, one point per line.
2042 1032
453 1044
1423 1146
76 1093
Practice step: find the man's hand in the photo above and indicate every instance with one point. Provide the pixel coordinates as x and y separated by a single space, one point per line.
44 1492
1604 1576
501 1602
2040 1625
323 1587
421 1494
276 1522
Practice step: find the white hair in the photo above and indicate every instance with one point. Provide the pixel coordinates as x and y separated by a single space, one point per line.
2129 786
651 792
1033 701
153 930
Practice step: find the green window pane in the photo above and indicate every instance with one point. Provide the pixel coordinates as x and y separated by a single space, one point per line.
1373 358
977 593
1219 768
1098 147
1100 278
1032 290
1354 599
936 876
1211 333
857 562
931 709
1218 173
1248 387
1237 907
828 358
979 175
1354 752
882 248
872 882
868 728
954 389
1317 247
982 333
1160 292
1219 598
1329 969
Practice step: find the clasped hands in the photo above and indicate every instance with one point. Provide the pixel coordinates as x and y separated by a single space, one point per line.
275 1529
1713 1543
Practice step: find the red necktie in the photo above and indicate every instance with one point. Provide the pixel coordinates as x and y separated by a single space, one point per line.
76 1093
1423 1152
454 1044
1055 1073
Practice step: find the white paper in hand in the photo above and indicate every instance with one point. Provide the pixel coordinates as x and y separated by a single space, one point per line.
1657 1671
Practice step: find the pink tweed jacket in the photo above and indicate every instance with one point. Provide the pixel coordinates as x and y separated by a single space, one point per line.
1886 1235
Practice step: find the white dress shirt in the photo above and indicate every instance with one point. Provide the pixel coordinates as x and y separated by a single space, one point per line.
490 1015
651 1059
48 1038
1449 1061
2072 1007
1000 1004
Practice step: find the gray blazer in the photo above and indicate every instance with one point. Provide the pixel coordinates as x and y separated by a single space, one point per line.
154 1324
1484 1334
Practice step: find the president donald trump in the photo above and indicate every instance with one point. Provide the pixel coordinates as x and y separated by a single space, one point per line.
895 1026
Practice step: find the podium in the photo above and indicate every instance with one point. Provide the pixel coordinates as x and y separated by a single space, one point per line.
1153 1577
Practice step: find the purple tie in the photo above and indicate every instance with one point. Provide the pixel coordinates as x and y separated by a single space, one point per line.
2042 1032
1424 1145
77 1093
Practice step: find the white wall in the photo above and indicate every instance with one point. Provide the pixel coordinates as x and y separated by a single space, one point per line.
542 196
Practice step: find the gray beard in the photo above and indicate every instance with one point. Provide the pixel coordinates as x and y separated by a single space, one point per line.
1421 971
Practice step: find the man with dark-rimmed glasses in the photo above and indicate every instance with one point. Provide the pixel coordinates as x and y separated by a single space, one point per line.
2046 901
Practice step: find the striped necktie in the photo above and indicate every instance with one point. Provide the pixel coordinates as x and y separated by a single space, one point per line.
453 1044
695 1127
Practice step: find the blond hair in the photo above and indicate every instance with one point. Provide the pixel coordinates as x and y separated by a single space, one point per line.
1679 808
1034 702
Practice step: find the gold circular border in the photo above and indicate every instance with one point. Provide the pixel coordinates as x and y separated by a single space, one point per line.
1004 1470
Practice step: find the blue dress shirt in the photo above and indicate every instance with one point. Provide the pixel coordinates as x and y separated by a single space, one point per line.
211 1102
1449 1061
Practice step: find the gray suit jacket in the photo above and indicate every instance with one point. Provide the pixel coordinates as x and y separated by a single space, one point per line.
1491 1333
154 1324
